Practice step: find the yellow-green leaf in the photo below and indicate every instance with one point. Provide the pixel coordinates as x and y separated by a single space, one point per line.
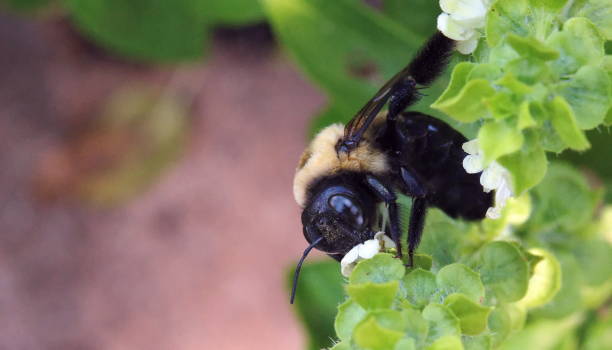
564 122
467 106
498 138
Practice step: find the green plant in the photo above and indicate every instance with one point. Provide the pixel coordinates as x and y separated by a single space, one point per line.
149 30
539 277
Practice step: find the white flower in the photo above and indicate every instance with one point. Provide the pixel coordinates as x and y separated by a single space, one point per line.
460 21
494 177
365 250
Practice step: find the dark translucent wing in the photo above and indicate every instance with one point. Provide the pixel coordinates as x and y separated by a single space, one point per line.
360 122
423 69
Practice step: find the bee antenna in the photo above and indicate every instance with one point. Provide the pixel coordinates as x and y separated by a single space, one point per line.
299 266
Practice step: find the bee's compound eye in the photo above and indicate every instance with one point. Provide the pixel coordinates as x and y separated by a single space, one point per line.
347 208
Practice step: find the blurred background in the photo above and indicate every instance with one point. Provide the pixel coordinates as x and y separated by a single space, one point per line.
146 164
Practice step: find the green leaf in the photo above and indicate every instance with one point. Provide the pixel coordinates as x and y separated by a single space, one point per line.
589 93
579 44
472 316
320 291
503 271
501 105
549 138
482 342
531 47
381 268
27 5
513 84
541 335
356 49
370 335
405 344
422 261
563 200
594 256
416 326
518 316
506 16
390 319
458 79
497 138
458 278
443 239
527 166
442 322
551 5
502 55
529 71
148 30
568 300
420 285
500 325
519 209
349 315
448 342
600 13
545 281
504 320
373 296
525 118
486 71
232 12
564 122
467 106
416 15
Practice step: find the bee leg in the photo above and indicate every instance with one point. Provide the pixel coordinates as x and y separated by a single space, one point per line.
428 64
405 95
414 189
415 227
386 194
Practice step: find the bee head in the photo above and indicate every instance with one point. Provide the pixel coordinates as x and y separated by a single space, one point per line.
342 216
337 218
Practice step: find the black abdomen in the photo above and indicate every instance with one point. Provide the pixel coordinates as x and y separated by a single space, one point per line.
431 149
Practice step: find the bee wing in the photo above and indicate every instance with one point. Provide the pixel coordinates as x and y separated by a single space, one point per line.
428 64
355 129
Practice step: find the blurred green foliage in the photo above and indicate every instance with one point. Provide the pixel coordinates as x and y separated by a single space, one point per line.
26 5
320 292
149 30
350 50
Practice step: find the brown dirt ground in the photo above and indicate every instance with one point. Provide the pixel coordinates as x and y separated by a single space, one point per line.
196 262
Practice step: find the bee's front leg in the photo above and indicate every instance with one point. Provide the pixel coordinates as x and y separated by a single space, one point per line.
387 195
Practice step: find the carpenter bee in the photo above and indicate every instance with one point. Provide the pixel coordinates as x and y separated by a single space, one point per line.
348 171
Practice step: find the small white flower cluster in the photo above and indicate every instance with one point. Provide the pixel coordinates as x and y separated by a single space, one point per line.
460 21
494 177
365 250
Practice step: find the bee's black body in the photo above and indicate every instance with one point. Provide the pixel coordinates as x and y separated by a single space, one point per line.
346 173
432 151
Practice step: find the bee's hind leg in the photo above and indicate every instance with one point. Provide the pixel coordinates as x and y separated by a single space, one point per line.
415 227
414 188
